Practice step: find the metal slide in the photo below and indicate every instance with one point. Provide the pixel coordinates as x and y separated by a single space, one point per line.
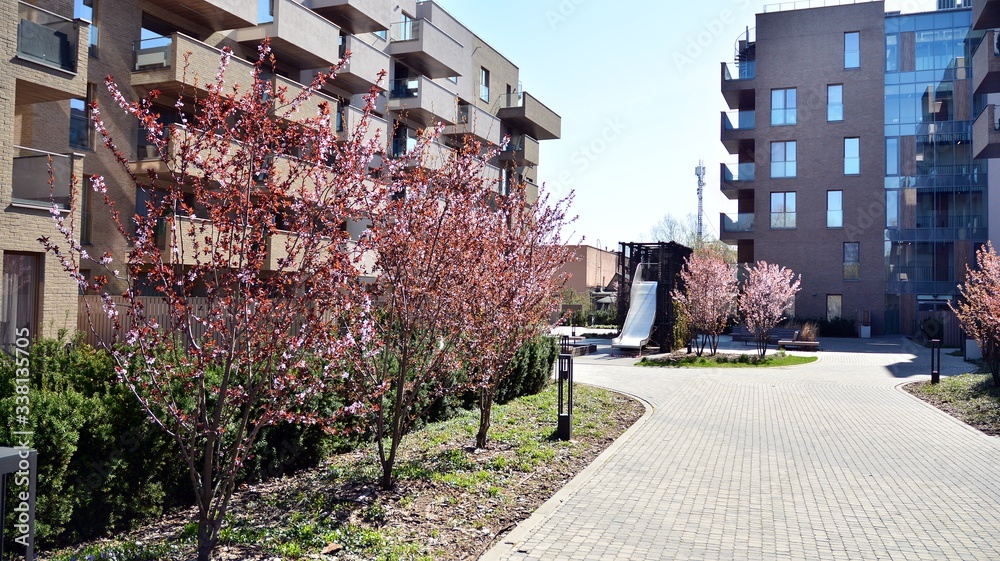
641 314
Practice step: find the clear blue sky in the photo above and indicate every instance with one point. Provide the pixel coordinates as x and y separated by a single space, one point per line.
636 83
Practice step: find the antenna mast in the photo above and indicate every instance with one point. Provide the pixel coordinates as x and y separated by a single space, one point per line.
700 172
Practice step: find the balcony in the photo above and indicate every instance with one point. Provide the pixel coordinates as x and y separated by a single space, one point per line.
737 127
491 177
420 45
985 14
423 101
738 83
355 16
307 109
435 154
349 120
474 121
736 177
361 73
30 178
216 15
158 64
733 230
986 65
51 56
299 36
986 134
531 116
522 150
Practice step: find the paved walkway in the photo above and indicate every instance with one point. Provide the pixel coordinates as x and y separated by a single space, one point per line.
830 460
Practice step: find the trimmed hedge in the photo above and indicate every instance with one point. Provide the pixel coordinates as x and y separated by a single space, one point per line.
532 369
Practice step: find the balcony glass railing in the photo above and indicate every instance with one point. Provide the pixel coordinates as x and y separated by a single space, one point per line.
732 173
741 71
921 274
739 120
31 178
153 53
403 88
46 38
408 30
744 223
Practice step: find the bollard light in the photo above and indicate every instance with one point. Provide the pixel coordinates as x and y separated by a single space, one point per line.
935 361
564 427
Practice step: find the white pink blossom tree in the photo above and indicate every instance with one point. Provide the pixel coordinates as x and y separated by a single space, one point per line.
767 292
241 239
708 299
979 306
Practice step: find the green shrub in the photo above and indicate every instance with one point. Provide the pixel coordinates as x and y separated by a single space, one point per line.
531 370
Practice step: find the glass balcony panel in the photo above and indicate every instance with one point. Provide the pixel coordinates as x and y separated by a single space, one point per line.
31 178
46 38
744 223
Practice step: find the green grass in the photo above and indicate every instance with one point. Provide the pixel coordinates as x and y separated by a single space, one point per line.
970 397
729 361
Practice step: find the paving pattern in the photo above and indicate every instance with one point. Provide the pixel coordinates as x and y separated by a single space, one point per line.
830 460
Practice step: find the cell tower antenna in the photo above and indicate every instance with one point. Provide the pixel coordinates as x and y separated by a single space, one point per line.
700 172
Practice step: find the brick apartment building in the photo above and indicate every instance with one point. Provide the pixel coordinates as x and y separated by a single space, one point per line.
856 161
58 52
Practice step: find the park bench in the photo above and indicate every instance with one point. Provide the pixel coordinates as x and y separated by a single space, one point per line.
795 343
779 334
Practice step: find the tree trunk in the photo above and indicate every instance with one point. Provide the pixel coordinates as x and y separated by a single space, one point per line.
485 410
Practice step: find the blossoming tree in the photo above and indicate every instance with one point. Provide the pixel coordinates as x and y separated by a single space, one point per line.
241 239
768 291
708 299
979 306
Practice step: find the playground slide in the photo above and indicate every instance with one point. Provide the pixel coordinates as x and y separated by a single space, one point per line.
641 313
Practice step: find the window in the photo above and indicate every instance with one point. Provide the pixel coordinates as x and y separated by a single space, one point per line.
381 34
852 49
79 121
835 102
85 213
87 9
783 210
783 159
484 84
834 209
892 156
852 156
783 107
20 298
834 306
453 79
852 261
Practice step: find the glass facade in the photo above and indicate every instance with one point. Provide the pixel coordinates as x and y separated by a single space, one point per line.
935 192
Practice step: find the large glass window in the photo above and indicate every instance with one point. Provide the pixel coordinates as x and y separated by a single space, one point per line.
79 121
892 156
783 107
20 298
834 306
852 156
892 53
852 261
835 102
834 209
783 159
783 210
484 84
852 49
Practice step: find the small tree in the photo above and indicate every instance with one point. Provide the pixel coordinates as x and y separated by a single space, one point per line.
979 307
252 309
767 292
709 296
427 229
516 291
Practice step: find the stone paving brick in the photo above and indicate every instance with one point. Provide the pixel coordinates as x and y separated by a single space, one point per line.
830 460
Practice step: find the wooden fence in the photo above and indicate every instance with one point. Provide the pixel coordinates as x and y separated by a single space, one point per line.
103 327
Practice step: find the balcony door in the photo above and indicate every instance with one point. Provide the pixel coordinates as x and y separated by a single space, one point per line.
20 298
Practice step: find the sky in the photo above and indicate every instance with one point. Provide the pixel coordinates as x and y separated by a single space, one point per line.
637 84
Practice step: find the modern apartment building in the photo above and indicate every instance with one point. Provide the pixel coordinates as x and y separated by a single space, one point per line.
58 53
986 85
855 165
